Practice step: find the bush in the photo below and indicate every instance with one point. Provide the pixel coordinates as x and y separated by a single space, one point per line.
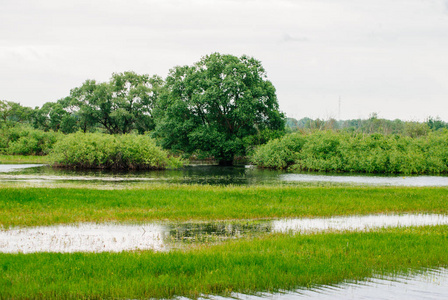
279 153
23 140
103 151
356 152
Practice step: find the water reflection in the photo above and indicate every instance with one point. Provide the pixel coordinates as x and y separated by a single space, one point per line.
198 174
16 167
356 223
432 284
90 237
206 174
371 180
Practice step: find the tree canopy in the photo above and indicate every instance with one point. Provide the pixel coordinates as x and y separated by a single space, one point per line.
121 105
214 105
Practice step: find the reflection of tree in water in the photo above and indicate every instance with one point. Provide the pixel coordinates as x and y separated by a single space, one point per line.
198 174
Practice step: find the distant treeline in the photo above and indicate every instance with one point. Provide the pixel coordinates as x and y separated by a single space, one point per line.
371 125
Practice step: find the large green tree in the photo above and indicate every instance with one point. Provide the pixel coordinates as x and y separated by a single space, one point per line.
119 106
213 106
12 112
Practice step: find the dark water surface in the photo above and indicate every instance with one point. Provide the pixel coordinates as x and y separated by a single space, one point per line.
210 174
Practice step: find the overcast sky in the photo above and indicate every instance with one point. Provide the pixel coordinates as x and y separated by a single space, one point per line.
384 56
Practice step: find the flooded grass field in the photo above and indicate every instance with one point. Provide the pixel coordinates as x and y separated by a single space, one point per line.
90 237
205 230
267 263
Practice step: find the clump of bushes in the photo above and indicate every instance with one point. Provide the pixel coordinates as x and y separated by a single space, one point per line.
332 151
24 140
279 153
103 151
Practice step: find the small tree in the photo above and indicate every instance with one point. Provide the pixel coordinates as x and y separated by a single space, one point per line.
213 105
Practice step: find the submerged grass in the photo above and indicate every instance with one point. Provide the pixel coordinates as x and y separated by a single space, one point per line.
265 264
44 206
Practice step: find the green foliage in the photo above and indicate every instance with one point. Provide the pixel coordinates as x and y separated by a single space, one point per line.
24 140
214 105
119 106
279 153
368 126
436 124
357 152
102 151
12 112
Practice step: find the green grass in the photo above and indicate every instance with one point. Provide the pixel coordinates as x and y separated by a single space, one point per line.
43 206
264 264
23 159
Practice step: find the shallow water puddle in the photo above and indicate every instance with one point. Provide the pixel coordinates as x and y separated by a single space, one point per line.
370 180
89 237
357 222
15 167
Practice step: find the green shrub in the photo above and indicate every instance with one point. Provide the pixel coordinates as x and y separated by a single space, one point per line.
103 151
279 153
356 152
24 140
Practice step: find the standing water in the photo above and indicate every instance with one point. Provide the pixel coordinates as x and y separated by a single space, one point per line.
432 284
207 174
89 237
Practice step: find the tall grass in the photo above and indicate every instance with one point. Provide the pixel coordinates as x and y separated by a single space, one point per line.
21 206
266 264
356 152
103 151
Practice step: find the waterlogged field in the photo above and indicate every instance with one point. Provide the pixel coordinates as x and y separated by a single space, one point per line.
269 263
223 239
44 206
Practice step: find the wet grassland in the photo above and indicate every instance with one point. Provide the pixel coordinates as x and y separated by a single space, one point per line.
33 206
256 263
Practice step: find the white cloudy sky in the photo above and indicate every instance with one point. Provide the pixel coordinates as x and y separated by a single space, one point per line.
383 56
